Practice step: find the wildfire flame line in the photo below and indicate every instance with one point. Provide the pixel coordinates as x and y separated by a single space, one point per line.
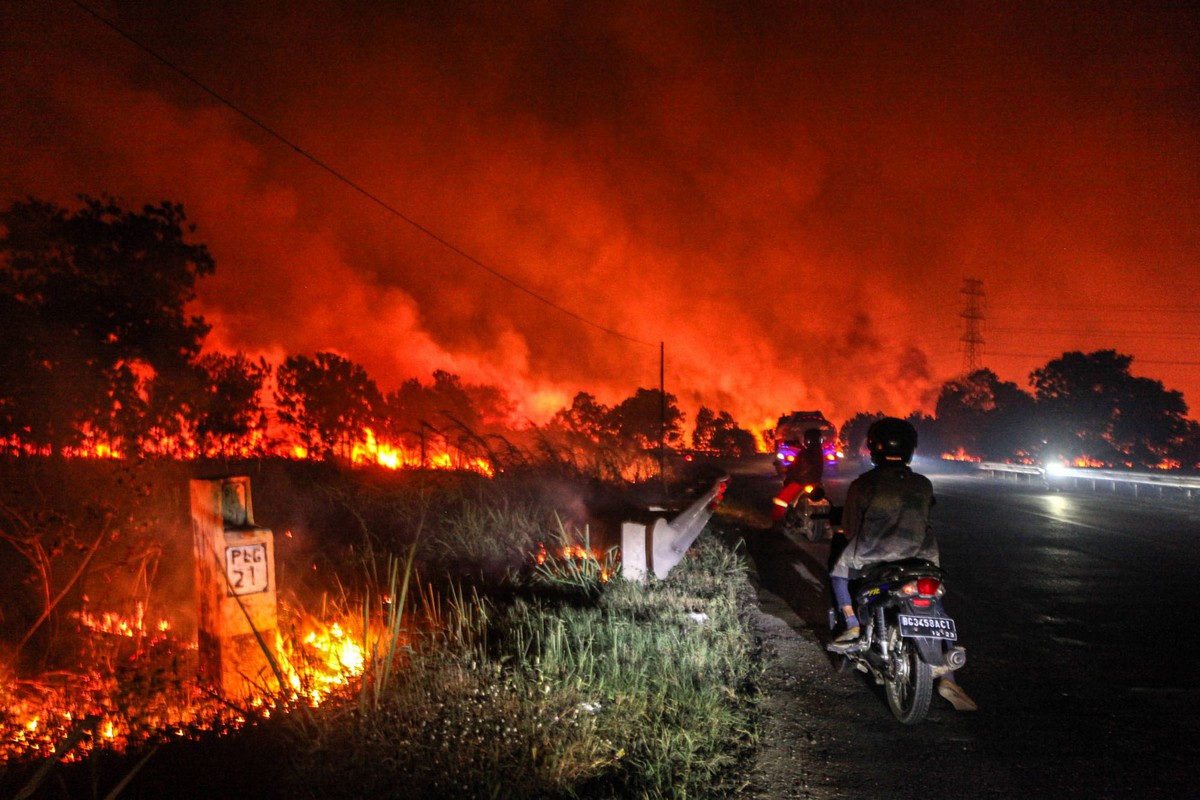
318 658
366 450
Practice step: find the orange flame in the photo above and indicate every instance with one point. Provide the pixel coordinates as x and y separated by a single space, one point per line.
366 450
576 552
318 658
372 451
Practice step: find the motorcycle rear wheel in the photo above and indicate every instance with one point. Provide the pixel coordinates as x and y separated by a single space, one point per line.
909 684
810 527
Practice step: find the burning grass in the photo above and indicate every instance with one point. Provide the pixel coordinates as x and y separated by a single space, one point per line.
131 688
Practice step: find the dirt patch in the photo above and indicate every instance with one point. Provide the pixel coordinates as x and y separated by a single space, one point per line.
794 758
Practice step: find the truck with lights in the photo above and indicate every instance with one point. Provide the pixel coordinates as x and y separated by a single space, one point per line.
789 436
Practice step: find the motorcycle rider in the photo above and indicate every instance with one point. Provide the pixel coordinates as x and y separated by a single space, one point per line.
886 518
808 468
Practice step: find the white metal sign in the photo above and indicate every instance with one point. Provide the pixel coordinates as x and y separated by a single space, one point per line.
246 568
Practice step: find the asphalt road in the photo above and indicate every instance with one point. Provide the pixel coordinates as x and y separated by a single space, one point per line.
1078 614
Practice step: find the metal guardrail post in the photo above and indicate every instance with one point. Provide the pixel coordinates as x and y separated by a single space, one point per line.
658 547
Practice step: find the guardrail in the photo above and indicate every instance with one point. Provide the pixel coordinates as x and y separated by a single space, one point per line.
658 547
1000 468
1096 479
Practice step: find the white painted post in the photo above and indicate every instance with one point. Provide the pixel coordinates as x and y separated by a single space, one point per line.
235 588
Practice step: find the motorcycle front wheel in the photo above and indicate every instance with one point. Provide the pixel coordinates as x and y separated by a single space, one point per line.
909 685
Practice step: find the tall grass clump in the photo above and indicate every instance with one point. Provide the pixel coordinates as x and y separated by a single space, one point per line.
571 567
616 690
487 532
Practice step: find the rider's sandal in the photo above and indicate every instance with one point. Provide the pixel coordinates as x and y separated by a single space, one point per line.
846 642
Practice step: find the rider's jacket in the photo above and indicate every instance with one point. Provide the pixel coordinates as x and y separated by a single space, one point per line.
809 466
886 518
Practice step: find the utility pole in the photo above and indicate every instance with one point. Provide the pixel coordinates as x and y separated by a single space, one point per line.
972 315
662 417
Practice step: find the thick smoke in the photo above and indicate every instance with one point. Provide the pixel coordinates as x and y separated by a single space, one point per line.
788 197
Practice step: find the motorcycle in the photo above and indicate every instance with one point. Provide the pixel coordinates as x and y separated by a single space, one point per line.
906 638
808 512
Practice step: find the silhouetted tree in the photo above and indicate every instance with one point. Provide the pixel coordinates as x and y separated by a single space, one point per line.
986 417
638 420
579 437
929 441
704 430
231 413
854 432
718 434
93 333
1188 452
585 418
1094 408
458 414
475 408
327 399
1151 423
406 409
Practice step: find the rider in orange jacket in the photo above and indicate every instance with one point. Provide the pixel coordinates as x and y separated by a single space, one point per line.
807 469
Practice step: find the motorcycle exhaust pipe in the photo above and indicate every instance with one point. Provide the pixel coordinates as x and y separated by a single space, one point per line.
956 657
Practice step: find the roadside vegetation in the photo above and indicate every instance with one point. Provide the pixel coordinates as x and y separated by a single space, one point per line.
588 690
506 659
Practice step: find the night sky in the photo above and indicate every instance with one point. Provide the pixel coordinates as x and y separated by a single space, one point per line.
789 195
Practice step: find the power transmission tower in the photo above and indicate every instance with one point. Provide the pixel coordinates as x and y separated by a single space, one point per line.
972 315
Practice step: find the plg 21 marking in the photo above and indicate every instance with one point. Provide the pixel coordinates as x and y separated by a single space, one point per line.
246 569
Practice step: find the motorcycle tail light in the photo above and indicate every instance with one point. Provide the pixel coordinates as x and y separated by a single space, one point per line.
922 602
928 587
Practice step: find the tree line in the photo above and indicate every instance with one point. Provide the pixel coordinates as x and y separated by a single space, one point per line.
98 353
1082 408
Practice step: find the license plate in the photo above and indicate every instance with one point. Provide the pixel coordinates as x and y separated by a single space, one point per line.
919 627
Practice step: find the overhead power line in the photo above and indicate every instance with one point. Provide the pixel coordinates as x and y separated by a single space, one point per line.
1107 308
1111 334
1135 358
347 180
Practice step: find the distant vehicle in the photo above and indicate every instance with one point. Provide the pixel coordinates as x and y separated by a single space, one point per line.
789 435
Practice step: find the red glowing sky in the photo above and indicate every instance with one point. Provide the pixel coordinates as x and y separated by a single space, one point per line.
789 195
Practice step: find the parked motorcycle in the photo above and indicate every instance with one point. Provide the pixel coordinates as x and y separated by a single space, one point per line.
808 513
907 639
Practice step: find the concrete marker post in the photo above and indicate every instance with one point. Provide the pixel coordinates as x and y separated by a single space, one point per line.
237 616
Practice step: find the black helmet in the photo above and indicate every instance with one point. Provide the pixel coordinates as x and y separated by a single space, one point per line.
891 441
812 437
